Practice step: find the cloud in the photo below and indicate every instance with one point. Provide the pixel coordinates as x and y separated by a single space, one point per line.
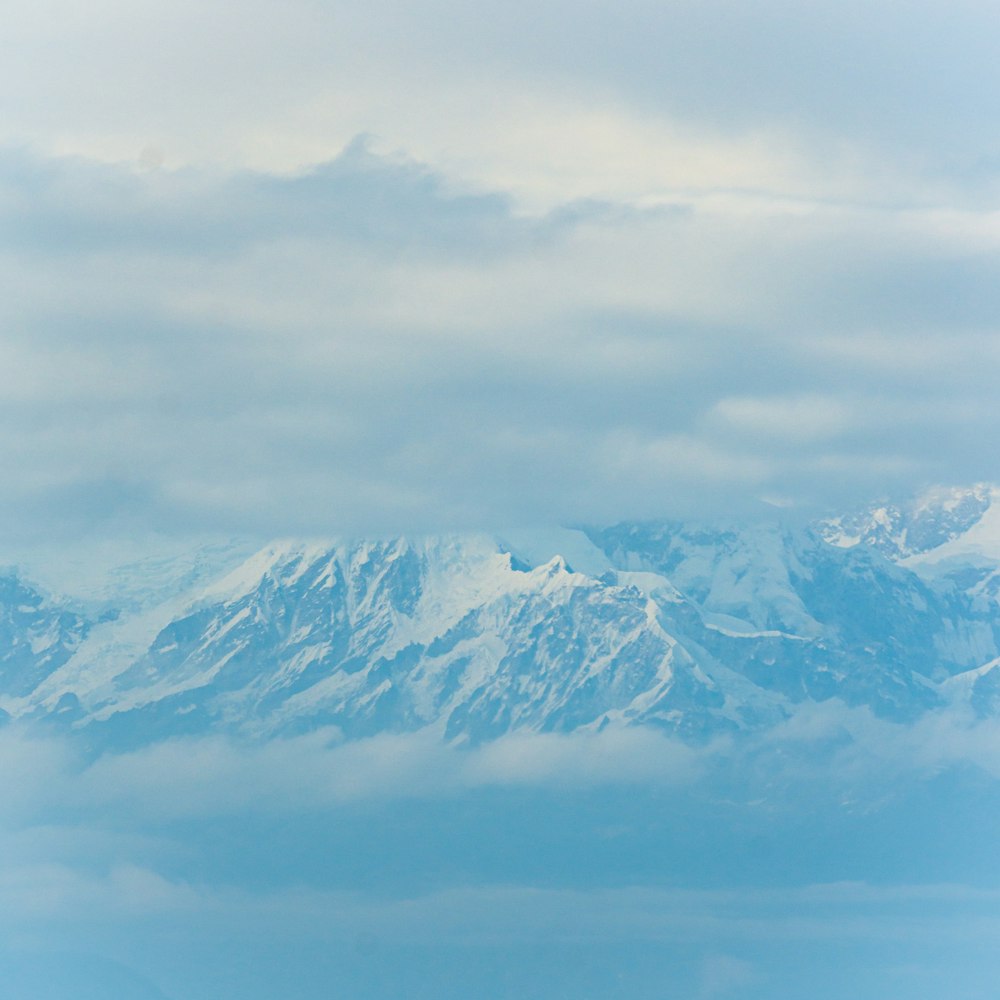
306 858
43 776
32 768
869 759
47 778
208 776
360 347
799 418
828 99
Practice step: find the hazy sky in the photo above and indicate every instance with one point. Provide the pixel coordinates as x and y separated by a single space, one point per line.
316 266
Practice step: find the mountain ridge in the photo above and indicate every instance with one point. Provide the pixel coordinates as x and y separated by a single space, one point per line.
696 629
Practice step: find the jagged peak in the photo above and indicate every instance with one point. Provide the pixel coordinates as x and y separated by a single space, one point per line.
919 525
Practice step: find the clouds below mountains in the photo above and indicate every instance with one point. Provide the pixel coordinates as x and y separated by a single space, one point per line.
589 862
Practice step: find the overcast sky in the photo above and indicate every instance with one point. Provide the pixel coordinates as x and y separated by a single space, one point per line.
308 266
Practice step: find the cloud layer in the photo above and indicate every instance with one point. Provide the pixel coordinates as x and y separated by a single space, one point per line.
360 347
580 865
307 267
831 97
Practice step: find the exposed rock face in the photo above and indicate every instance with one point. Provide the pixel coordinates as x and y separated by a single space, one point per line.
697 629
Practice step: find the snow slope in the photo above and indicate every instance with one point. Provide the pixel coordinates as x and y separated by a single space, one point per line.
698 629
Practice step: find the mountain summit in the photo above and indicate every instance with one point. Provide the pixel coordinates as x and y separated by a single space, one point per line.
695 629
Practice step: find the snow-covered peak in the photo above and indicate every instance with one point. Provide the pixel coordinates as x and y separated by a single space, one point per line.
271 559
534 547
978 542
743 571
695 627
966 519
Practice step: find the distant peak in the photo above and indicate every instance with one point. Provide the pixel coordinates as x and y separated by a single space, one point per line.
911 527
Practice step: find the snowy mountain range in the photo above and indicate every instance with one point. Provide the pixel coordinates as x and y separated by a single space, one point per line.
696 629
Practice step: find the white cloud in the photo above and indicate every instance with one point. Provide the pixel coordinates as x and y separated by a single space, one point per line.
548 101
43 776
359 349
777 258
204 777
795 418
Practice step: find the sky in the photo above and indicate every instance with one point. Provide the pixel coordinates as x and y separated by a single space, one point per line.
315 266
